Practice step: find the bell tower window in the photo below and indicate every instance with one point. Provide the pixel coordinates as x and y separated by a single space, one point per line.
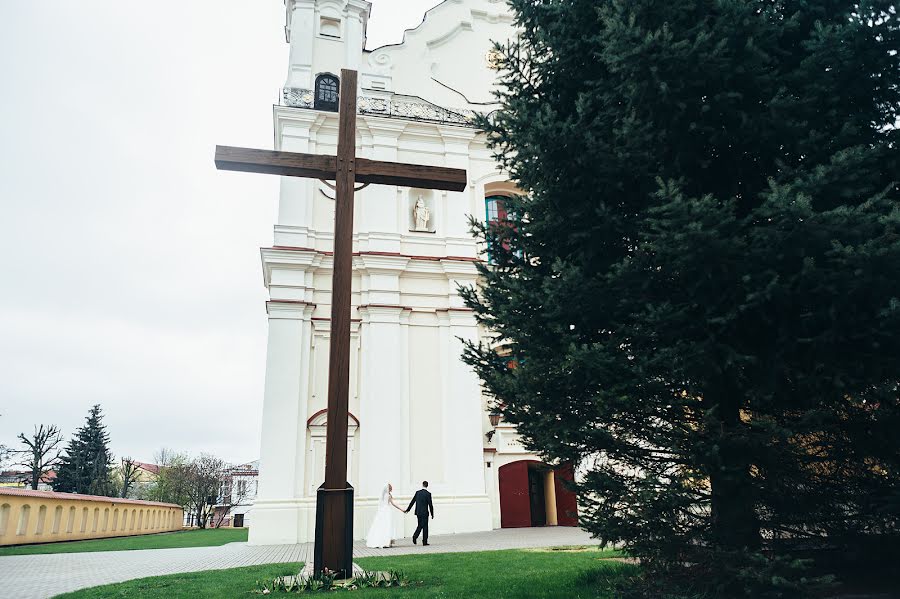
327 94
330 27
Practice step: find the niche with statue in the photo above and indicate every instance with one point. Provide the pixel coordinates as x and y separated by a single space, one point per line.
422 212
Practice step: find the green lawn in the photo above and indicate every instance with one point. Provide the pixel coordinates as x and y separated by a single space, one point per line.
164 540
213 584
493 574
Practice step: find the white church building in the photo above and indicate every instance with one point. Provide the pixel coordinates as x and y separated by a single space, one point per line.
417 411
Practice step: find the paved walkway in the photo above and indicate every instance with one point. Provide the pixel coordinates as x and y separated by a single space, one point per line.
42 576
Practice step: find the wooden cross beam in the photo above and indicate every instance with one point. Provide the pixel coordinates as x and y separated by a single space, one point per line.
334 505
318 166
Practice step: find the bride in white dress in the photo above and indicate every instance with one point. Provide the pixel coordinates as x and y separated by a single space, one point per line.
381 531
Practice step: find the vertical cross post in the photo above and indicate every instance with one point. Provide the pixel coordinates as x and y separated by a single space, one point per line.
334 500
334 507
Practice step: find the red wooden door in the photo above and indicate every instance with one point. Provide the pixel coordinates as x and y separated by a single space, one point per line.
566 502
515 508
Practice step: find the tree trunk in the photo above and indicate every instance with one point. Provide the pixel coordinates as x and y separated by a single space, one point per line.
735 524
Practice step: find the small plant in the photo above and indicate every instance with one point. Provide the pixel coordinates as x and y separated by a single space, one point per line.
327 581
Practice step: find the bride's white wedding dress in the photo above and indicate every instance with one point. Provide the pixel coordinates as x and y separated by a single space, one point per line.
381 531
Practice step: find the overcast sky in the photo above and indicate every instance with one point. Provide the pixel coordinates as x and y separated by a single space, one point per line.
129 267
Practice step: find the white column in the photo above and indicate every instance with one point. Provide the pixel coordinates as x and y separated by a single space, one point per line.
381 408
492 486
463 386
300 30
295 202
282 451
406 485
356 17
464 443
381 203
457 204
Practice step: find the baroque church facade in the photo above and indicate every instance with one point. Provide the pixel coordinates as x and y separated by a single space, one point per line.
417 411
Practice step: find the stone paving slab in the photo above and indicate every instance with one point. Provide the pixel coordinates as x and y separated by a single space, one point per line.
43 576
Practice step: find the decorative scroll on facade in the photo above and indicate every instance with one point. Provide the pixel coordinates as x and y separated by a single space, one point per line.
397 106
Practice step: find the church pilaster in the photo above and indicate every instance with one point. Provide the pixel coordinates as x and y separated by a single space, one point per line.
462 406
382 212
283 443
300 32
382 396
458 205
357 17
295 132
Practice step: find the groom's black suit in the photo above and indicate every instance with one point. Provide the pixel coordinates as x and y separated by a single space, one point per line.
422 501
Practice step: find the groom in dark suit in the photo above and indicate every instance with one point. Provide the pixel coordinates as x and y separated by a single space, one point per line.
422 501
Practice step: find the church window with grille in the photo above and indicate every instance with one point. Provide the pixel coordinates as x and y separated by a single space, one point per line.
327 94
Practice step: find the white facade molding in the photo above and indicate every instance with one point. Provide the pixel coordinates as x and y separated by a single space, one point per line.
450 35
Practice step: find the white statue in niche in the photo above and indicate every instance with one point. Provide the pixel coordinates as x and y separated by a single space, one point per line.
421 215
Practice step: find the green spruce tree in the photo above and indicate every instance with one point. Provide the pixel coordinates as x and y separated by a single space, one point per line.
701 284
87 464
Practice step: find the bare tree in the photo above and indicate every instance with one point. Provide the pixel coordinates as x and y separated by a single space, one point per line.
41 452
205 475
4 455
129 471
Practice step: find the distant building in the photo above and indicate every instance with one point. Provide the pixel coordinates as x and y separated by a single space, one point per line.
146 478
237 495
21 479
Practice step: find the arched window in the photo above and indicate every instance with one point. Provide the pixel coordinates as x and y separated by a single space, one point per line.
495 214
495 209
327 92
70 523
317 427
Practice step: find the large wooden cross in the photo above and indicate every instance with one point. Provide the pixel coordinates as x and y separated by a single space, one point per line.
334 503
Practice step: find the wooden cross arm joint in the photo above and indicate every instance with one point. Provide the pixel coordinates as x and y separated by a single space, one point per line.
315 166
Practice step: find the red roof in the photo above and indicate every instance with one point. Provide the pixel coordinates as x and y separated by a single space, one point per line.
151 468
78 497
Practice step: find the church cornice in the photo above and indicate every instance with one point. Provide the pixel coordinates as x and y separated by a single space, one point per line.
289 309
389 105
308 250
